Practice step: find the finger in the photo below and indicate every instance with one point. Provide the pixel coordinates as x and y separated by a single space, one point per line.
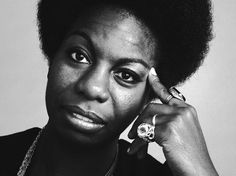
162 133
161 122
136 145
147 114
161 91
157 87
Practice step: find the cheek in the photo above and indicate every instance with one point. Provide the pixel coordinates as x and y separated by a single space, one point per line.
60 77
128 102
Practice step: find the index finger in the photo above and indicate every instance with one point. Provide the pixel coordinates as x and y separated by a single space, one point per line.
160 90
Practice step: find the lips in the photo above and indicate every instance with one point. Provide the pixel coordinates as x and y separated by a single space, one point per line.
81 114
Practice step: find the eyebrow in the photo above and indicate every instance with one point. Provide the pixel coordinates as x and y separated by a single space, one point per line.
121 61
86 37
82 34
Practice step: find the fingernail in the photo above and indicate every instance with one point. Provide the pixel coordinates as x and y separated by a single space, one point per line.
153 71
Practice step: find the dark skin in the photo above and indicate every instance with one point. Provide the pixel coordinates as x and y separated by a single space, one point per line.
103 67
177 131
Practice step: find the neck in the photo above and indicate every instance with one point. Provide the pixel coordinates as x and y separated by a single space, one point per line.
55 156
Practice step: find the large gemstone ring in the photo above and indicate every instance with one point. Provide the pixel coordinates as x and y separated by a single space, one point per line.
146 132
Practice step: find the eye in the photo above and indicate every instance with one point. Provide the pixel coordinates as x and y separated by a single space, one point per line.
79 56
127 76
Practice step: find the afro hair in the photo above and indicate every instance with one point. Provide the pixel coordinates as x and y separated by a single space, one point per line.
183 29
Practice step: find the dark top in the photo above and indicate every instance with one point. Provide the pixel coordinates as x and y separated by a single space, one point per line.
14 147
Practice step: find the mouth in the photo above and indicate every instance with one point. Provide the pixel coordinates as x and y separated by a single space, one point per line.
84 120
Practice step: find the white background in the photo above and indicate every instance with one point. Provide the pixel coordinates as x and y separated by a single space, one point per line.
211 90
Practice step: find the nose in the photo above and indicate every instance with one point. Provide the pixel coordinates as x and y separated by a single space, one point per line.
93 84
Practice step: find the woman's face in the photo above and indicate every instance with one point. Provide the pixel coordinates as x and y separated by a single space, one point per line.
97 79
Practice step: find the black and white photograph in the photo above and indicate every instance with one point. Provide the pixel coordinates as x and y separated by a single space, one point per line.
117 88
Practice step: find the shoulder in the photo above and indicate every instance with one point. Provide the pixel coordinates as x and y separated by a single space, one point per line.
131 165
13 148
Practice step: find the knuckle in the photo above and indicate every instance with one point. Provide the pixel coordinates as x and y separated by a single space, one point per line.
178 122
150 108
188 112
179 119
144 114
163 93
156 80
193 110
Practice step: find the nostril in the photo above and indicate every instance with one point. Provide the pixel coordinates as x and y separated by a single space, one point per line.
97 91
103 97
93 90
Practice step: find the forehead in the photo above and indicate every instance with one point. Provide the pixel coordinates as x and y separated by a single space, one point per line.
118 32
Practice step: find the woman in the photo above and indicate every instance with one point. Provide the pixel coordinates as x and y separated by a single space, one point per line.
109 62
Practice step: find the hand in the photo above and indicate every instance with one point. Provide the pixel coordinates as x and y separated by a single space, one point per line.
177 131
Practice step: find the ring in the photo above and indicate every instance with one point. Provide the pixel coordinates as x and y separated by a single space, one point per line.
169 98
176 94
146 131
